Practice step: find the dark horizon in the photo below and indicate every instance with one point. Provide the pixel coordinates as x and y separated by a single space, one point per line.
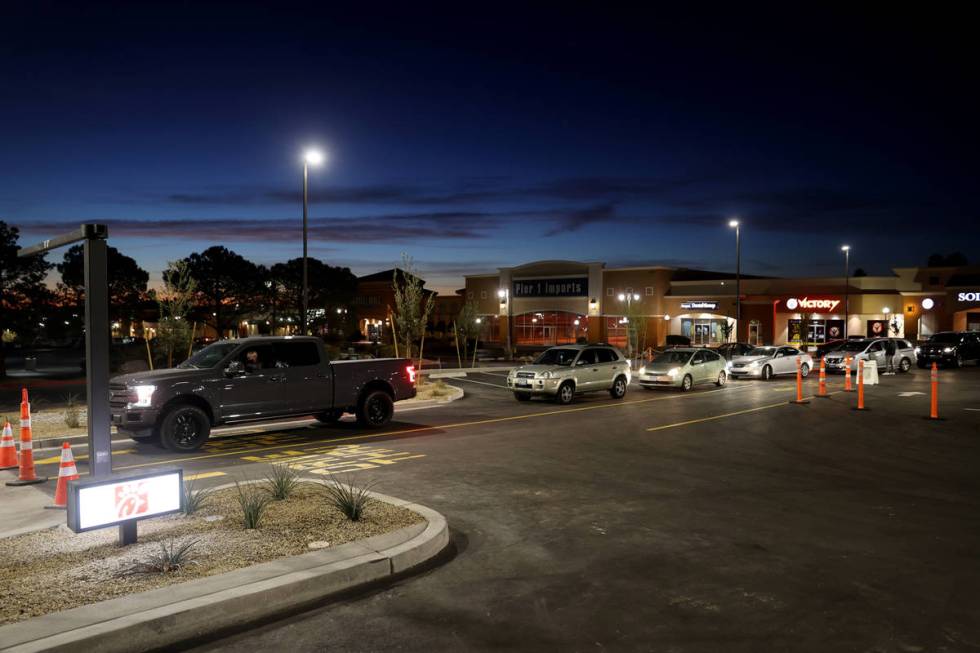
473 142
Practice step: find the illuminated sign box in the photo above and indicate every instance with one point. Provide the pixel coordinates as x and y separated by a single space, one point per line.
699 304
968 297
102 502
827 304
565 287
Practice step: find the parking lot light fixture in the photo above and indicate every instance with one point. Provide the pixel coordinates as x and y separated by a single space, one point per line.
734 224
847 272
311 157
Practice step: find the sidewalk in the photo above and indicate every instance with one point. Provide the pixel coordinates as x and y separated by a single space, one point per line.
22 508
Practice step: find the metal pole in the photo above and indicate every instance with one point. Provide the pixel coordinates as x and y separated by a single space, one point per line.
305 203
97 356
738 280
847 272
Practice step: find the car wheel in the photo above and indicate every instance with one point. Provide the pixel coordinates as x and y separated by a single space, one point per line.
804 370
687 383
566 392
184 428
767 373
375 409
522 396
722 379
958 361
618 389
329 416
905 365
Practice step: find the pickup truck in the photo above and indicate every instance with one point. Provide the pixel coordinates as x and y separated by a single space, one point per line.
252 379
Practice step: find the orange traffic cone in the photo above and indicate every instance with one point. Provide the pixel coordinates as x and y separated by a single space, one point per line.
8 452
67 472
27 475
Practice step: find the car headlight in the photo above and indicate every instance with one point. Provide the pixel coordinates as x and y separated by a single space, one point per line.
754 364
144 396
674 371
918 350
947 350
546 375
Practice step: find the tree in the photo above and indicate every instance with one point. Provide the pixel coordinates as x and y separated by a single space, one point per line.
413 305
23 295
467 326
859 273
227 284
175 302
127 281
330 288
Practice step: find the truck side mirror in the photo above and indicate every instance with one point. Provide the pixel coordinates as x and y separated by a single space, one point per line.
234 368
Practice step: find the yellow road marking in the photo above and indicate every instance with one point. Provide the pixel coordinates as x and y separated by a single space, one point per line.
53 460
714 417
195 477
422 429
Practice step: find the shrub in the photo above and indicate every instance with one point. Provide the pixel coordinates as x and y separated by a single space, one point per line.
170 559
195 499
348 498
281 481
253 502
72 415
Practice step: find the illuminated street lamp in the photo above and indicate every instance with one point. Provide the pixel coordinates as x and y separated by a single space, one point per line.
629 298
310 158
847 272
504 296
734 224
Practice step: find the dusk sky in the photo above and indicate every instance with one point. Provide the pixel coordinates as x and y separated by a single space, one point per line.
482 140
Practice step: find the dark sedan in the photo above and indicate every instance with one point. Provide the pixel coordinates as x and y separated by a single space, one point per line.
954 348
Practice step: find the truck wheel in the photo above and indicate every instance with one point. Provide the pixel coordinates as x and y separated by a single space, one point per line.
329 416
375 409
184 428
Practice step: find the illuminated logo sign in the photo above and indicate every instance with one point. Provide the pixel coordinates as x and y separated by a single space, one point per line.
699 304
570 287
968 297
805 303
102 502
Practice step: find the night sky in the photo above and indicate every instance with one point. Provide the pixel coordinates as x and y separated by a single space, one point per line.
472 141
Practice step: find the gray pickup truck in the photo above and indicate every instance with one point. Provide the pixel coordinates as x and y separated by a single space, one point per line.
255 379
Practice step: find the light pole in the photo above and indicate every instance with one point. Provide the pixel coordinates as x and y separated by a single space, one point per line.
311 158
738 275
629 298
504 296
847 272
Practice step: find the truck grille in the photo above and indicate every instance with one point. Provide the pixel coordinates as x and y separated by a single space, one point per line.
118 395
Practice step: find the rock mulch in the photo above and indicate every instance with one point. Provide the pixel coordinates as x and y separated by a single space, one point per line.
55 569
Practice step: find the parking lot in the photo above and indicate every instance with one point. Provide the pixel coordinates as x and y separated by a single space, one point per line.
718 518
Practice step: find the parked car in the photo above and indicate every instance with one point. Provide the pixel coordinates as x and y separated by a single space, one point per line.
872 349
567 370
767 362
949 348
829 346
255 379
683 368
730 350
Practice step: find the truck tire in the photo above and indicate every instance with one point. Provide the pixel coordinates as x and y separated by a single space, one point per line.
375 409
329 416
184 428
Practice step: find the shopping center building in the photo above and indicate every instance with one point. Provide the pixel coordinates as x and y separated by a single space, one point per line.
557 302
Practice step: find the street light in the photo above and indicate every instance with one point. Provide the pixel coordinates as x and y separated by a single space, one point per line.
847 272
504 295
734 224
629 298
312 157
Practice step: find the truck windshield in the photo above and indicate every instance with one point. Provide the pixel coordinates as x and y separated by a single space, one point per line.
209 356
563 357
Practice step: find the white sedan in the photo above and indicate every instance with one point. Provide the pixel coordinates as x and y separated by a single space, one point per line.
767 362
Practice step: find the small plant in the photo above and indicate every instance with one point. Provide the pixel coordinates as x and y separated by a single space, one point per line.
170 559
195 498
348 498
253 502
281 482
72 415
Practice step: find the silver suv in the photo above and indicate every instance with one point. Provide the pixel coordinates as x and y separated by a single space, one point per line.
562 372
872 349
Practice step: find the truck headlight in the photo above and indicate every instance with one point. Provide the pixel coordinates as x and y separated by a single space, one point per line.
144 396
674 371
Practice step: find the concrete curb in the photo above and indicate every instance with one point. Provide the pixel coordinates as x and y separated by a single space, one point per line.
165 616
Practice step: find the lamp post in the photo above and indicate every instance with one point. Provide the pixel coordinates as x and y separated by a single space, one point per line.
738 275
847 272
504 296
311 158
629 298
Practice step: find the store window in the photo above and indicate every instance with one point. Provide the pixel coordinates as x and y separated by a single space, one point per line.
818 331
550 328
703 331
755 332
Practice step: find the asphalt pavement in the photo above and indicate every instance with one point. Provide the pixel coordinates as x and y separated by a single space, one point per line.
720 519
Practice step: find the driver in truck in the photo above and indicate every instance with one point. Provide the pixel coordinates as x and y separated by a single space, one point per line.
252 364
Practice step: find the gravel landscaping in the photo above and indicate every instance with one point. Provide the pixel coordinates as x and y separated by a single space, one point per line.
55 569
46 423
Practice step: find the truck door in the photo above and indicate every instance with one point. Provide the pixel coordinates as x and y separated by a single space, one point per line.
252 392
308 385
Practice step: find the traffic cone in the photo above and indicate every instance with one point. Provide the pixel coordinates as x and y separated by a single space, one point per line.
67 472
27 475
822 388
8 451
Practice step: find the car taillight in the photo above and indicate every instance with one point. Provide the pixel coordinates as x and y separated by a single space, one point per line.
410 370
